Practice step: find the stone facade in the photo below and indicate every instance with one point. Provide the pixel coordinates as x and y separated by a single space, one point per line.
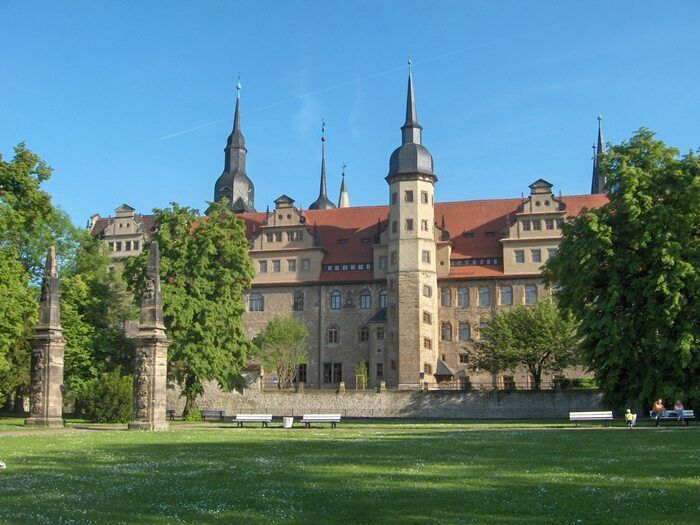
45 395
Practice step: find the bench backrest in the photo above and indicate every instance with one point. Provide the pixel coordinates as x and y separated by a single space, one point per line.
602 414
212 412
321 417
671 413
253 416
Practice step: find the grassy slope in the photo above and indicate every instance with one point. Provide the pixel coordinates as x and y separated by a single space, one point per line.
386 473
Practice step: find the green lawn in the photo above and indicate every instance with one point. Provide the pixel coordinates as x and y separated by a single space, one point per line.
359 473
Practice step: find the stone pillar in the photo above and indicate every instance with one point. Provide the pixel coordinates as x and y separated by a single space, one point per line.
45 396
151 357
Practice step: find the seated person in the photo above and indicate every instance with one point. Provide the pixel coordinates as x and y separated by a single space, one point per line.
657 410
678 409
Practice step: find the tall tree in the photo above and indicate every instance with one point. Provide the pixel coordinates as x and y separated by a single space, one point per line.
281 347
538 338
630 273
205 267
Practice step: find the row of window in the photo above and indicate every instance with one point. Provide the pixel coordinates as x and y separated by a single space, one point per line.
536 224
408 197
292 236
348 266
256 300
116 246
276 265
408 225
474 262
505 295
535 255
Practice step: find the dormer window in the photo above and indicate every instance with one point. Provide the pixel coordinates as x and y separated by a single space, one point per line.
490 234
342 241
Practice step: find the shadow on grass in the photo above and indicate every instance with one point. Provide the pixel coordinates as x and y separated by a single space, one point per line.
333 476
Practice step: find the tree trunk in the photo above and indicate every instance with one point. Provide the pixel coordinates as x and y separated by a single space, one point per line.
19 404
190 397
536 380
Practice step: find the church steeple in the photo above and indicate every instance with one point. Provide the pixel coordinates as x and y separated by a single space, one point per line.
598 179
411 131
343 199
322 202
234 184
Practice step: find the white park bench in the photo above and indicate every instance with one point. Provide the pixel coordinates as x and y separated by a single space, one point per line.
667 415
253 418
333 419
602 415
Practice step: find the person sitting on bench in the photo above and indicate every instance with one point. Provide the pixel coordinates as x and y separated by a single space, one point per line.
658 410
679 408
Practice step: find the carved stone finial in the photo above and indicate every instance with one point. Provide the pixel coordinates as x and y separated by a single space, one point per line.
151 316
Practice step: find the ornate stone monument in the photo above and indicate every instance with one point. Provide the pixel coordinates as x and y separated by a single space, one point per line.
151 359
45 396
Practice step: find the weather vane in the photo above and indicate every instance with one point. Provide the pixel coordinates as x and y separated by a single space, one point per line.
323 130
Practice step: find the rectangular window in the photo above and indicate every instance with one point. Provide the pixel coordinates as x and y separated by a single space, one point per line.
382 262
365 300
408 196
536 255
463 359
269 237
424 197
127 246
482 332
380 333
446 332
257 302
506 293
364 334
427 291
394 227
380 371
305 265
551 252
292 265
427 343
298 305
262 266
424 225
332 372
530 294
136 245
427 369
519 256
484 296
409 225
427 318
446 297
394 198
111 246
462 297
537 224
465 332
335 300
301 373
118 246
276 267
549 224
425 256
526 226
278 236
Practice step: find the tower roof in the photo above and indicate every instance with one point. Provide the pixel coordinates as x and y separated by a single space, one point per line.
343 198
598 178
322 202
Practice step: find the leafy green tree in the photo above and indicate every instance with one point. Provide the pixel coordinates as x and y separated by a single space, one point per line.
205 267
630 273
107 398
281 347
538 338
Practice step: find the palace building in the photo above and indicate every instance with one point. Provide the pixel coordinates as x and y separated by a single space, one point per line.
403 286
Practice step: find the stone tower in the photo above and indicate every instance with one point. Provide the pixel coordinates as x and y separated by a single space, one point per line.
234 184
46 399
151 357
598 179
412 276
322 202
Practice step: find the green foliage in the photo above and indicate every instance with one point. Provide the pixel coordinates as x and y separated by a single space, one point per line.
107 398
630 273
537 337
192 415
281 347
205 267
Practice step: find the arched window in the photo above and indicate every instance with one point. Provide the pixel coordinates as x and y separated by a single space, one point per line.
365 300
333 337
530 294
446 332
506 293
335 300
462 297
465 332
364 334
446 297
257 302
382 298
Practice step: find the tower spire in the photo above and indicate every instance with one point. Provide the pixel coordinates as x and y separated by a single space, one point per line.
322 202
598 179
343 199
411 130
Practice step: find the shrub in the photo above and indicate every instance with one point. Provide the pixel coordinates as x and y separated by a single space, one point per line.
107 399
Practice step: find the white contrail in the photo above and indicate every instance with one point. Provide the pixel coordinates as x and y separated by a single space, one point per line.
340 85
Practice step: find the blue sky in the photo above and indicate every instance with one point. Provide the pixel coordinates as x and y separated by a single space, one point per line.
507 92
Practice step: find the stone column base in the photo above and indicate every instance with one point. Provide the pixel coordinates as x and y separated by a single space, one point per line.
147 425
44 422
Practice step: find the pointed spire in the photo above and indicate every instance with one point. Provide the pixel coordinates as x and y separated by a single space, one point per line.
411 130
598 179
343 199
322 202
49 304
236 139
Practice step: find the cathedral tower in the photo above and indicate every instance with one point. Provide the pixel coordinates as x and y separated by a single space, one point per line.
411 276
598 179
234 184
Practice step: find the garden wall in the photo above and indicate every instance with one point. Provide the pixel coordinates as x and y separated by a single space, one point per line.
391 403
